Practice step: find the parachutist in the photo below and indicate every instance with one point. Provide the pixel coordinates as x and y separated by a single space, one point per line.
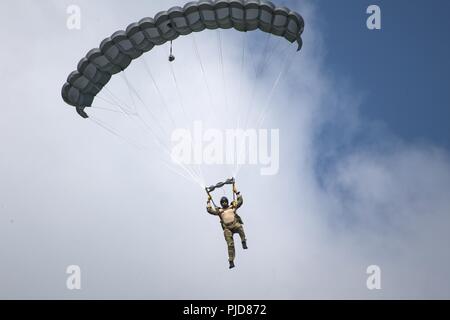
231 222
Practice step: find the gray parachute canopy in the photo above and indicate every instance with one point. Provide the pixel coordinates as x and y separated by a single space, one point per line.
116 52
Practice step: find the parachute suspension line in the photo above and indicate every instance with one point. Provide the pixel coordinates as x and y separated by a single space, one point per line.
262 63
117 102
162 132
114 132
147 68
222 68
127 110
289 58
248 109
124 111
196 168
240 101
258 70
105 109
288 62
274 49
177 88
241 79
154 135
120 103
166 149
105 100
205 79
266 62
159 140
149 129
194 175
112 104
188 178
132 89
158 90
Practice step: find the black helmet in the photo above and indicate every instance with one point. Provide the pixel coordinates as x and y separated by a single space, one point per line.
224 202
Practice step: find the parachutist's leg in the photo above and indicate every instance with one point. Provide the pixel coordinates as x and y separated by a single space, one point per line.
230 244
240 230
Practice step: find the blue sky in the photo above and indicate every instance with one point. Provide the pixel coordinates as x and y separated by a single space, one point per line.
403 70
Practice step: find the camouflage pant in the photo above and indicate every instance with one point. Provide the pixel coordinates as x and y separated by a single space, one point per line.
228 232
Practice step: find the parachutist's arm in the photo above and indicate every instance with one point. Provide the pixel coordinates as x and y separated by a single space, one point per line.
211 209
239 201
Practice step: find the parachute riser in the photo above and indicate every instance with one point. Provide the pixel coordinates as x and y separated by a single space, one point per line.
220 185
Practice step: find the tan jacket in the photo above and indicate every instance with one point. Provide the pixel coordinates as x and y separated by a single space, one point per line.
229 215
